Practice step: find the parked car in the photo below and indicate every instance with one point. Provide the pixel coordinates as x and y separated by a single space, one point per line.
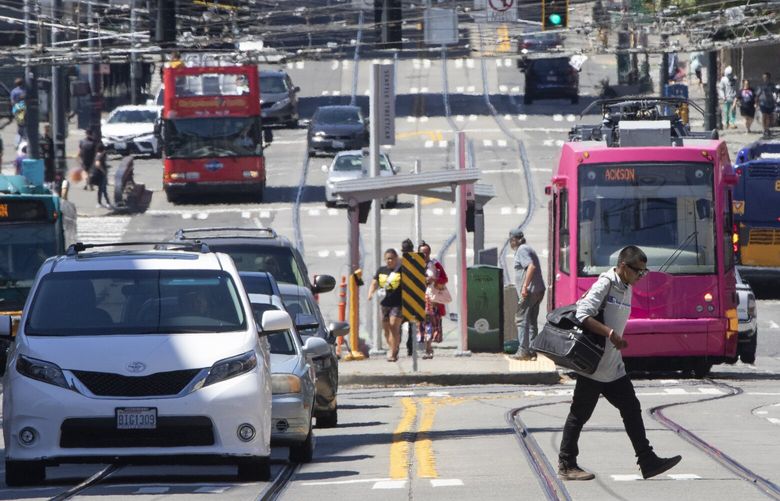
550 78
260 249
278 98
130 130
748 322
138 353
292 382
308 319
337 128
354 165
540 42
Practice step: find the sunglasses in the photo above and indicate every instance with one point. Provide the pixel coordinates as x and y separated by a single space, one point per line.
639 271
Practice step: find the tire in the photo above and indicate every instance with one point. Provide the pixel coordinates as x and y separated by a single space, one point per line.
527 99
701 369
575 99
173 199
329 419
255 469
303 453
260 194
291 124
747 351
330 204
22 473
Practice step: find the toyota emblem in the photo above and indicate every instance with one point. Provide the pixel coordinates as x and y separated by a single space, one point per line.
136 366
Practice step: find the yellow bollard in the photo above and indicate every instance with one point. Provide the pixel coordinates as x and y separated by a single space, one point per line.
355 280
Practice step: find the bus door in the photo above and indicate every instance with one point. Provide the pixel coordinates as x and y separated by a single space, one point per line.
560 254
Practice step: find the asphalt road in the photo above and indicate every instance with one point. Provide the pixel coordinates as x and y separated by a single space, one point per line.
449 442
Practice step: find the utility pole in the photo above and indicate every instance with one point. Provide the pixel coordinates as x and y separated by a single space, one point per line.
59 124
95 79
135 77
711 104
31 88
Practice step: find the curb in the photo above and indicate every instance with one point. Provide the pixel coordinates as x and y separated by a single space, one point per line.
524 378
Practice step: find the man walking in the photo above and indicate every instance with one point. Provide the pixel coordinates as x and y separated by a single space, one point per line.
727 91
19 109
530 290
612 294
765 96
87 150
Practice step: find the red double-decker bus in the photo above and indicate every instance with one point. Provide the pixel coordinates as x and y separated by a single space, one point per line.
212 131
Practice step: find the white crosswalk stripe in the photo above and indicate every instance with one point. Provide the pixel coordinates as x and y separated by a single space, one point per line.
103 229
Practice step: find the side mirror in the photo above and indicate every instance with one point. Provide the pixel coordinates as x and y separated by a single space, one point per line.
275 321
6 327
296 89
323 283
338 328
316 347
305 321
268 136
324 169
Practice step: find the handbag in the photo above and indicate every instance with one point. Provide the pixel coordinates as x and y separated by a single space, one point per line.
438 295
565 341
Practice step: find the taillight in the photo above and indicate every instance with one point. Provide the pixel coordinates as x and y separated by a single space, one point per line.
739 171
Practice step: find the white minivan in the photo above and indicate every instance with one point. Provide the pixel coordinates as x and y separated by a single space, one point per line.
138 356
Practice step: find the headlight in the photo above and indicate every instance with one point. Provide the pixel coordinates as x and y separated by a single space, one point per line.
231 367
319 133
41 371
147 137
285 383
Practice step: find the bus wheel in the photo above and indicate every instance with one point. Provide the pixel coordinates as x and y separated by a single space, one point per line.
260 193
701 369
174 199
747 352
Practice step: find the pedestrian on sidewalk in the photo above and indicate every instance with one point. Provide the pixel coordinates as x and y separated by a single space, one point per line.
727 91
747 103
765 95
387 286
86 156
530 290
612 289
408 246
47 152
430 330
100 176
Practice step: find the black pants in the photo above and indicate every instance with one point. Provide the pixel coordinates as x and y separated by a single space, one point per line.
619 393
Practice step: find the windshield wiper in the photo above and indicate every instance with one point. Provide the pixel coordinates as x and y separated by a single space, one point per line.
677 252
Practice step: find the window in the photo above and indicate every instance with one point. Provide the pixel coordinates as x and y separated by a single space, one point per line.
277 260
728 249
563 231
212 137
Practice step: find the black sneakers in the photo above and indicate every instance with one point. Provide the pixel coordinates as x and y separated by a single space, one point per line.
652 465
570 471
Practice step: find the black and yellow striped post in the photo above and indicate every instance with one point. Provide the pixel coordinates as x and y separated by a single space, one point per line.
413 285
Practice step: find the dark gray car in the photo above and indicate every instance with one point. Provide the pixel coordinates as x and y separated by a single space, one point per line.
337 128
278 98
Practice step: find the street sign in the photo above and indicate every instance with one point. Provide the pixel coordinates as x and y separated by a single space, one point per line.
413 284
441 26
384 88
501 11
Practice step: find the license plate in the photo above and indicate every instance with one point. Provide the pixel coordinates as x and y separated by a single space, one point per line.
120 146
552 79
136 418
338 144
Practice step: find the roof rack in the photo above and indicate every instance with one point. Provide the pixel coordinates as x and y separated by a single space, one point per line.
181 233
74 249
638 108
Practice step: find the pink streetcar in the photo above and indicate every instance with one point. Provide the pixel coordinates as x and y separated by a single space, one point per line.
643 178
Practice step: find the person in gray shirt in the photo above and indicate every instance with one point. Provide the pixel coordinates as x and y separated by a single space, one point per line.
611 293
530 291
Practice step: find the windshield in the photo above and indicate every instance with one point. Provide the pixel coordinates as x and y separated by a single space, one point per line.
666 209
278 261
212 137
135 302
338 116
351 163
23 248
133 116
272 85
257 284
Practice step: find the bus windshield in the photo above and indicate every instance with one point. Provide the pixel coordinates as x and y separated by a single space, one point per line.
666 209
23 248
212 137
135 302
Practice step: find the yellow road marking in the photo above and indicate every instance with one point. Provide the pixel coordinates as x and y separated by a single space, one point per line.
399 451
433 135
423 450
429 201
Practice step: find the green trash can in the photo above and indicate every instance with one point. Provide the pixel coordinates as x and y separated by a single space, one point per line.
485 317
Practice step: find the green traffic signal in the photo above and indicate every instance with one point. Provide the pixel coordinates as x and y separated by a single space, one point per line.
555 19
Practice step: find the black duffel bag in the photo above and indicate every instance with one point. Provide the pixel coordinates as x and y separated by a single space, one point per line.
564 340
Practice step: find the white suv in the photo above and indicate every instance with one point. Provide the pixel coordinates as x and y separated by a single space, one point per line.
143 355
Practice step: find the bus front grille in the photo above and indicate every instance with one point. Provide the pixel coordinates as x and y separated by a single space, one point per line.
763 171
764 236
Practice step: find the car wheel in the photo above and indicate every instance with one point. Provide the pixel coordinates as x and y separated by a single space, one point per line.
575 99
254 469
329 419
747 351
20 473
291 124
527 99
329 204
303 453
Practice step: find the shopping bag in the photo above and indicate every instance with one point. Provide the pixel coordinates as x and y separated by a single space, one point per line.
438 294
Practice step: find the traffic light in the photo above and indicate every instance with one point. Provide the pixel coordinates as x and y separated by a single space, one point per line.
555 14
